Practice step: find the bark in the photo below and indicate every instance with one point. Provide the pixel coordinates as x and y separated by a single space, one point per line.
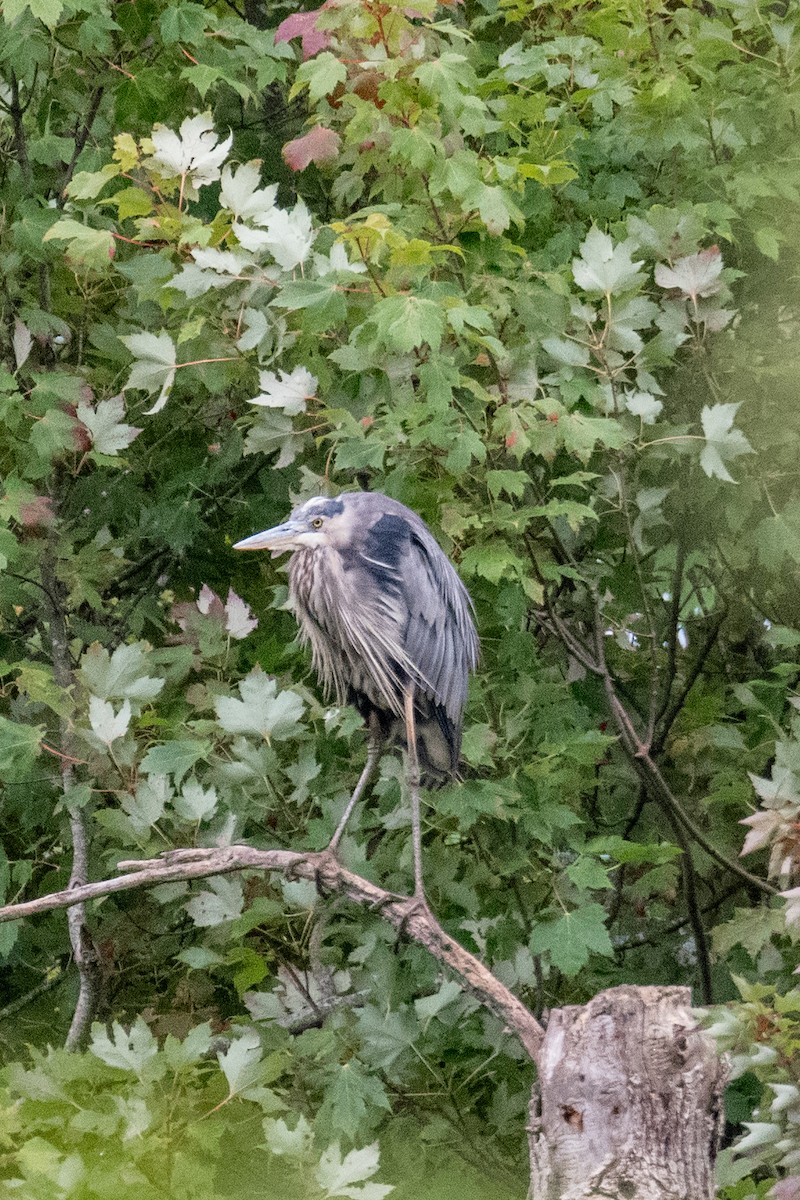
628 1103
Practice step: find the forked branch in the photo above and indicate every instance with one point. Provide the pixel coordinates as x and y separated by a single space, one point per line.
403 912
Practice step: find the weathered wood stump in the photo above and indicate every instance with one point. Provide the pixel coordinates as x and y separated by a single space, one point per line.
628 1102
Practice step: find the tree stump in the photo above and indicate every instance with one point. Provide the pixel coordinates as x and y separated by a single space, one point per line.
628 1101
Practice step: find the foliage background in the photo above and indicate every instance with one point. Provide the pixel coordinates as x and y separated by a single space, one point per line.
530 268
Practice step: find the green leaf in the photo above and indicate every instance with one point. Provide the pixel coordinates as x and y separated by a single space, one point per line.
146 806
223 901
241 1062
262 710
427 1007
405 323
606 269
569 939
19 746
513 483
752 928
53 434
336 1175
85 185
321 74
154 369
107 724
175 758
467 448
108 431
349 1096
723 442
184 23
46 11
195 802
386 1035
564 350
768 241
493 561
129 1050
88 247
589 874
122 675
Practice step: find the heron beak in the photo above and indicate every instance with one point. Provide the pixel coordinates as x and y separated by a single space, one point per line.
278 539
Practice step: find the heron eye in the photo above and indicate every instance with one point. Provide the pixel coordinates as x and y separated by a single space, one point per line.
316 523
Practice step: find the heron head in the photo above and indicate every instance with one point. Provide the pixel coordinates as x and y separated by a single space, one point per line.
318 522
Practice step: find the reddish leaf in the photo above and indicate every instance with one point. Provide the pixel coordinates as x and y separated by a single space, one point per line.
786 1189
37 514
304 25
319 145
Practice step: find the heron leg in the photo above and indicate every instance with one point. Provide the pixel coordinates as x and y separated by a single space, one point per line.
413 787
374 751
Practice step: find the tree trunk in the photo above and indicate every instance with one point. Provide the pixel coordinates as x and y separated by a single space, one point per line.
628 1102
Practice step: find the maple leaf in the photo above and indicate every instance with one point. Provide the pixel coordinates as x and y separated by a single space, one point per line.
209 602
241 195
155 365
22 341
723 442
694 275
604 267
288 236
319 145
239 619
105 723
304 26
337 260
108 431
289 392
195 150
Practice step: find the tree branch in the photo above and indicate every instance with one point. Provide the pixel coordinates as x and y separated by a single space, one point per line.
671 711
403 912
649 772
83 949
82 134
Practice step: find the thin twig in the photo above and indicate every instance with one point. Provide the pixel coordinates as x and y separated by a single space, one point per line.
54 977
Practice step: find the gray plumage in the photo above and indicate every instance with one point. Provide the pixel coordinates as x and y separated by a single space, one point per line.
383 611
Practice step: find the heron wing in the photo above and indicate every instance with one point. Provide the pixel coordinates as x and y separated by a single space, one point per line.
433 624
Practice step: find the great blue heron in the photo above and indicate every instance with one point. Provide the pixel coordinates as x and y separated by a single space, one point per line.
390 627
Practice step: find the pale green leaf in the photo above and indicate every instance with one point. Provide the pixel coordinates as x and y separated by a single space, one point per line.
262 709
87 246
108 431
606 269
241 1062
121 675
129 1050
723 442
224 901
155 365
107 725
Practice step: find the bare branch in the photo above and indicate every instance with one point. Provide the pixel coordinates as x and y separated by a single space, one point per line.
82 135
672 710
83 948
645 765
403 912
672 632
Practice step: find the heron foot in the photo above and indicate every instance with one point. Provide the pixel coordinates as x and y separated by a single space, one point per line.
416 905
317 860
